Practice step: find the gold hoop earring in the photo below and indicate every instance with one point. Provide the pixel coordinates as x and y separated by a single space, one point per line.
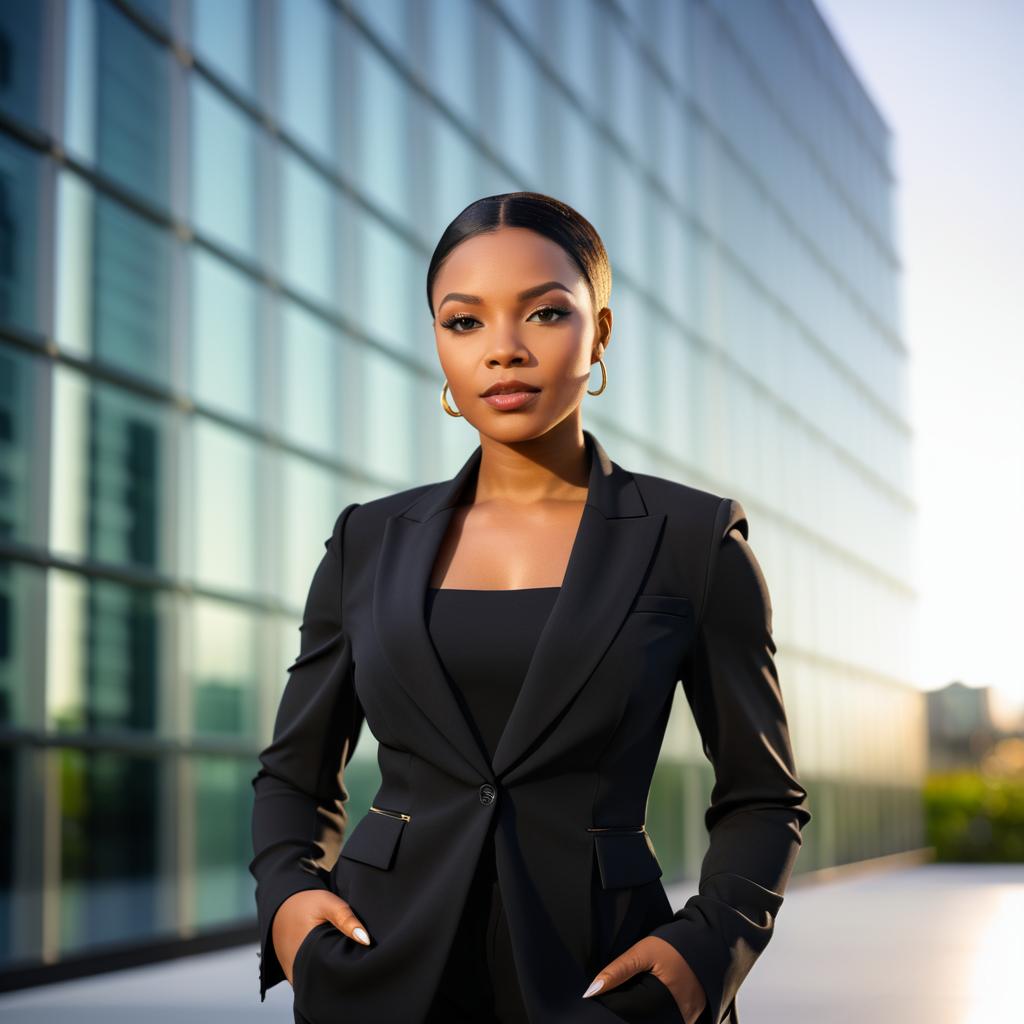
444 401
604 378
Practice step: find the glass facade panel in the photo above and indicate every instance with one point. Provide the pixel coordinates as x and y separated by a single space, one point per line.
224 36
392 294
309 380
21 469
309 235
24 596
453 32
118 117
224 508
225 351
224 665
312 497
379 154
108 647
112 888
518 128
110 456
305 35
114 282
21 27
20 171
224 161
223 841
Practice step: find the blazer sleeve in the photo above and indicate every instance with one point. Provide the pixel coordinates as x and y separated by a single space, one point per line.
758 806
299 815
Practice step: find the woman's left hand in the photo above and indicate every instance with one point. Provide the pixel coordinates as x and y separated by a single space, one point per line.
667 964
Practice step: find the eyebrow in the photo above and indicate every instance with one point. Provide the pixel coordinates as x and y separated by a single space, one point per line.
529 293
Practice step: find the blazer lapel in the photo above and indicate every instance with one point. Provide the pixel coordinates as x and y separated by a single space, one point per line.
607 564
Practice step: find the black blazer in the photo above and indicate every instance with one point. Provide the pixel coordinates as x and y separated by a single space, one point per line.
661 586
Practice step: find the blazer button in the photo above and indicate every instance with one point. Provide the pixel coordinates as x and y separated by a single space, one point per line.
487 793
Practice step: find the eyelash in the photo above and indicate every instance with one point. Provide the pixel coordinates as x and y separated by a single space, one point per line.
561 310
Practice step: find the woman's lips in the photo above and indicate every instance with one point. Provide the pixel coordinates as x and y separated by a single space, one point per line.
510 399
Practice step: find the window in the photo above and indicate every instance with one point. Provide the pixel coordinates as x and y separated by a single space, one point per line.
224 155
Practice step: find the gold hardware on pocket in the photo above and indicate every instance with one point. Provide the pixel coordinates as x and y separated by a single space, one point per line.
391 814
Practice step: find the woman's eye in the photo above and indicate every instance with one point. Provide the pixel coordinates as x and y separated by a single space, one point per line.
452 321
560 310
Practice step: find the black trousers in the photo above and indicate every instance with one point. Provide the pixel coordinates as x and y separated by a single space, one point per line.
479 984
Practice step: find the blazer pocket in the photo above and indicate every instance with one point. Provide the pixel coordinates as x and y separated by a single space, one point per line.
680 606
299 960
625 858
375 838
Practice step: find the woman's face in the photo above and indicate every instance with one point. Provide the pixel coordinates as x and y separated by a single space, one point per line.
511 304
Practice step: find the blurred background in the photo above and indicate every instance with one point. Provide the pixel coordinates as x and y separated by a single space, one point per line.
215 223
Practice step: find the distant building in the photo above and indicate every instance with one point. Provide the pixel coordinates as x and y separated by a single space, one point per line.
961 728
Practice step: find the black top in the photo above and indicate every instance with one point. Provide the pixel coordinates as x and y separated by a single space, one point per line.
485 640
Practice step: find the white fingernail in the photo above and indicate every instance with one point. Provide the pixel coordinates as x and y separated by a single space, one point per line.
594 986
361 936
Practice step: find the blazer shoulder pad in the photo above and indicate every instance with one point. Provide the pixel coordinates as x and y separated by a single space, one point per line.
390 504
674 497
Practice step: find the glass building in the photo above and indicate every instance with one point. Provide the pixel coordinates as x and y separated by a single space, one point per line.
215 222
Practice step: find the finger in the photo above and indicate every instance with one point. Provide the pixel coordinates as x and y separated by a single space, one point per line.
621 969
345 920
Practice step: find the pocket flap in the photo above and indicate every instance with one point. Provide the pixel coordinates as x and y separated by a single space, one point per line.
625 859
374 840
680 606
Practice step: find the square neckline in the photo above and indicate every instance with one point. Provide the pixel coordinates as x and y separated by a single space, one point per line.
489 590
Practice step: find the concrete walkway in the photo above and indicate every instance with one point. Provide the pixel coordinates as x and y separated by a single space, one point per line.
930 944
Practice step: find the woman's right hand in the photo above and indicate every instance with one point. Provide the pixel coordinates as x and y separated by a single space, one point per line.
301 913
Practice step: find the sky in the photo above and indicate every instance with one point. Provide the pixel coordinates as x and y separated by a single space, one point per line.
948 80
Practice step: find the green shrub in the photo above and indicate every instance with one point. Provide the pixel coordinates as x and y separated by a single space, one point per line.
974 817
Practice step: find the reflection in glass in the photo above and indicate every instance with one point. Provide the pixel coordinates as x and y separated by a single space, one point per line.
22 594
13 764
105 647
118 84
19 467
225 346
114 282
110 453
224 501
21 29
223 845
131 291
223 669
111 808
223 189
20 173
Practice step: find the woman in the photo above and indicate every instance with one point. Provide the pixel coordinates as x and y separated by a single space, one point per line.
513 637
